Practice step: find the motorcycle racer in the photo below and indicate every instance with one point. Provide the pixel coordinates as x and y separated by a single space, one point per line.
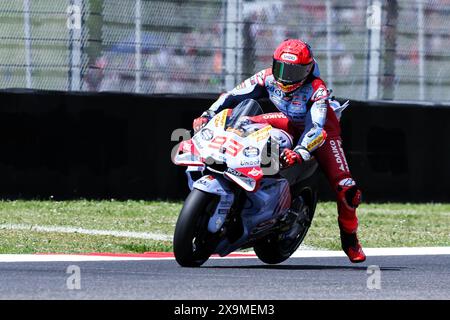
307 112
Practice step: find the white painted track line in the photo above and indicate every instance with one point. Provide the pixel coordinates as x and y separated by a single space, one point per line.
61 258
114 233
373 252
370 252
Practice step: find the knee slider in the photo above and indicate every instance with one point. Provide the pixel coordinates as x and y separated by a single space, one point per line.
350 192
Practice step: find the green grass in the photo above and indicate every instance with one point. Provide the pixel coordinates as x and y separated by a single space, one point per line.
13 241
139 216
381 225
385 225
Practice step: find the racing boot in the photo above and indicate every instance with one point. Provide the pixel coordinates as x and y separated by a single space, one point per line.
349 197
352 247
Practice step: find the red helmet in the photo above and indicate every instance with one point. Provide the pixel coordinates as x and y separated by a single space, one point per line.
292 63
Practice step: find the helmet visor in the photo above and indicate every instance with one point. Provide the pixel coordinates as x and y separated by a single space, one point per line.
290 73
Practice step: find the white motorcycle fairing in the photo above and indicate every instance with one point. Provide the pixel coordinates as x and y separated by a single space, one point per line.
261 211
266 198
216 185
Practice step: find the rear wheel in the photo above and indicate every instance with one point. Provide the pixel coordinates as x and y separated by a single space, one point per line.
192 242
276 248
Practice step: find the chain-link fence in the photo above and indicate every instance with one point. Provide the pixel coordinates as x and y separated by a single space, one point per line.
369 49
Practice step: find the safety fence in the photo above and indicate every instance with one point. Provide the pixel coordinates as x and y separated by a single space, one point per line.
369 49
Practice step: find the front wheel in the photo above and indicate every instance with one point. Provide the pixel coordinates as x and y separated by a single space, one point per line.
278 247
192 242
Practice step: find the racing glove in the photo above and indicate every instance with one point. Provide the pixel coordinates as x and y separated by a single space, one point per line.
201 121
290 157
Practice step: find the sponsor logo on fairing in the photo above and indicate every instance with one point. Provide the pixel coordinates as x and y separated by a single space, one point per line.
242 85
207 134
255 172
249 163
220 119
234 172
261 133
197 142
251 152
204 182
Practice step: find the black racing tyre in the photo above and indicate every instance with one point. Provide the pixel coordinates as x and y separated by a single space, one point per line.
276 248
193 244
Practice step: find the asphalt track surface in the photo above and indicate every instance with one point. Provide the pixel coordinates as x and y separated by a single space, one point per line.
401 277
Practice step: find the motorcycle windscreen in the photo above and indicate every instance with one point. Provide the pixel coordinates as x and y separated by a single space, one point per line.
242 111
